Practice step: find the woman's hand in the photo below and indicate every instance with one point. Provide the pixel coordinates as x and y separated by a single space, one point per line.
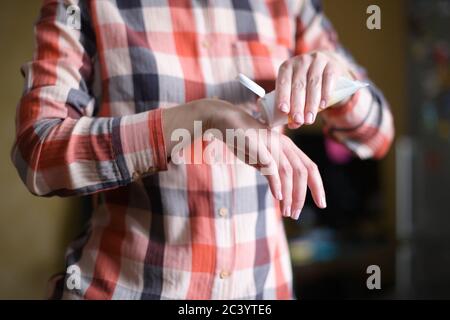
304 85
289 172
288 169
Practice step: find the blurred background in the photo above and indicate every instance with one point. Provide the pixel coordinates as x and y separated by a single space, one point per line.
393 213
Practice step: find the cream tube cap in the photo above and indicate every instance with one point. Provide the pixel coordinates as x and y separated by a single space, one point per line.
251 85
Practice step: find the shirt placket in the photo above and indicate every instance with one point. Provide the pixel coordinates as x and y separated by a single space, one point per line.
222 185
223 215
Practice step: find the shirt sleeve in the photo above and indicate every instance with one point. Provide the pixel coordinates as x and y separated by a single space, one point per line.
364 123
61 148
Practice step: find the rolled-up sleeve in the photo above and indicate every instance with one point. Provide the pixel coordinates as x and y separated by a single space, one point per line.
364 123
62 147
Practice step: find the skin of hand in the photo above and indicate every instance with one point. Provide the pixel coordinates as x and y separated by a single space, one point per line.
288 169
304 85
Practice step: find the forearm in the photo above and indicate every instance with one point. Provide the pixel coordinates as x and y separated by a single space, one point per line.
364 121
364 124
66 156
183 118
211 113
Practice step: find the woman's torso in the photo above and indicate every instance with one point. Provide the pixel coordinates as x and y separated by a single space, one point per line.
195 230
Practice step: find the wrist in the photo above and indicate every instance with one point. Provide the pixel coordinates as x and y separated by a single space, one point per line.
216 114
210 112
343 108
207 111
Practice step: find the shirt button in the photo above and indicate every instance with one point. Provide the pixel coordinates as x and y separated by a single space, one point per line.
205 44
223 212
136 175
224 274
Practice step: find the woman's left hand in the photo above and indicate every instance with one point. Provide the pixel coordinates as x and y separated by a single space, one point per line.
304 85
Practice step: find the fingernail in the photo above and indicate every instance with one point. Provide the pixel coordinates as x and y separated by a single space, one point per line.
287 211
284 107
309 118
290 119
323 202
296 214
323 104
298 118
279 196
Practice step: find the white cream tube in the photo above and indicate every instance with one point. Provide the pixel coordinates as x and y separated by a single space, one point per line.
273 116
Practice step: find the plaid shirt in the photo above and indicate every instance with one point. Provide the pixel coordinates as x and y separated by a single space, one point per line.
89 122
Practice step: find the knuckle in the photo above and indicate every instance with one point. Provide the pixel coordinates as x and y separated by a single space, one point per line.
329 73
312 167
283 80
299 166
298 84
313 80
284 66
286 169
285 141
297 201
303 60
318 55
300 171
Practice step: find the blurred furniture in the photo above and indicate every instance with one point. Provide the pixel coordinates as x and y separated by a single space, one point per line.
332 248
423 157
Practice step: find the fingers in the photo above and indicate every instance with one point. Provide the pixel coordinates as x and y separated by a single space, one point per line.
292 172
304 86
288 170
315 182
314 87
272 175
286 177
274 141
258 155
300 182
328 82
298 91
316 185
283 87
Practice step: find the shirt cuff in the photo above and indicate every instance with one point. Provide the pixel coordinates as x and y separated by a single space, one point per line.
157 139
141 149
340 110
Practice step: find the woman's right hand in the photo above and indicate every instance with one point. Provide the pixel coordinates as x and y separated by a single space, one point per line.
287 168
